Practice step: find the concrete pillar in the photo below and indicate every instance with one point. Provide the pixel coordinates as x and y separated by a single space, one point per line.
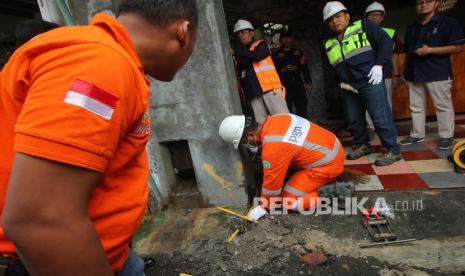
84 10
192 107
50 12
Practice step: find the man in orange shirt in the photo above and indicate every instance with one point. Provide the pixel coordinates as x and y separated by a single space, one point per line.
289 142
74 121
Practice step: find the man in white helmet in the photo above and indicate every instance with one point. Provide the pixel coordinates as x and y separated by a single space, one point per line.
358 51
259 79
289 142
375 12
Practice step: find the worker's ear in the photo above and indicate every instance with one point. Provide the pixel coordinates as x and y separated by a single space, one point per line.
183 33
254 137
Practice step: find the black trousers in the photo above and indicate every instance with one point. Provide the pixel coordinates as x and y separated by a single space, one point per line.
296 96
12 268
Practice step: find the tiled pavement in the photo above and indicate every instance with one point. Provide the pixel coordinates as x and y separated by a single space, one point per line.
422 166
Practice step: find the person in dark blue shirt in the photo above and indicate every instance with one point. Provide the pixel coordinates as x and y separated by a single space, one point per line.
358 51
429 43
293 71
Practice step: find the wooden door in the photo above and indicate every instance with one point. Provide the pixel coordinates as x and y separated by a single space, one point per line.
400 99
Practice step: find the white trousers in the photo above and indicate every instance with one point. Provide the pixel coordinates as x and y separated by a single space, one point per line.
442 100
269 104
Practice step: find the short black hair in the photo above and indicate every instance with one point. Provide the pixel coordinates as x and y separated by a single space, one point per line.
30 28
161 12
285 34
250 126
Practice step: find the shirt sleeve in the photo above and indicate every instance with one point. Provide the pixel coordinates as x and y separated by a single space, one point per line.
260 52
380 41
456 34
77 109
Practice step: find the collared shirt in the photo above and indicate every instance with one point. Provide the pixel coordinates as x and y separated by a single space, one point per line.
77 95
439 31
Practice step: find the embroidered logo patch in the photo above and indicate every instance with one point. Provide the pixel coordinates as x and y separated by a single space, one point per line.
143 126
266 164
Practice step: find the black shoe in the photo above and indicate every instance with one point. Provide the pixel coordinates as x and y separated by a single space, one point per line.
445 143
410 140
358 152
388 158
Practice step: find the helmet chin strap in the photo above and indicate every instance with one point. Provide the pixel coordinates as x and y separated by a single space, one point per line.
252 148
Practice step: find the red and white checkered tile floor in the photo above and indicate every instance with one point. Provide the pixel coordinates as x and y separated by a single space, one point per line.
422 166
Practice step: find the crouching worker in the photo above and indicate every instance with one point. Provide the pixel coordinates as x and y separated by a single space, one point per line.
288 142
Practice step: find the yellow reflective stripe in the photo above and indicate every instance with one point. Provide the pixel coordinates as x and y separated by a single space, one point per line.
271 192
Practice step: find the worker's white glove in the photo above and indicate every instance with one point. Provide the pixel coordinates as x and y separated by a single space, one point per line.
376 74
257 212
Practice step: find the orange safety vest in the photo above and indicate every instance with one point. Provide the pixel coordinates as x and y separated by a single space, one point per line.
266 72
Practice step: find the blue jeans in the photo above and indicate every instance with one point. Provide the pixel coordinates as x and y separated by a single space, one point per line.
134 266
371 98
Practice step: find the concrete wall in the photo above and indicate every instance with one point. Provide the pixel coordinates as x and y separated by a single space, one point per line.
192 107
82 11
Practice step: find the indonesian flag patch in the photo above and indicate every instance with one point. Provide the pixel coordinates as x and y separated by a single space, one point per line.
91 98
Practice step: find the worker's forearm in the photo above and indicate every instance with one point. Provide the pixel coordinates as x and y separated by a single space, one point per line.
446 50
61 247
260 52
395 65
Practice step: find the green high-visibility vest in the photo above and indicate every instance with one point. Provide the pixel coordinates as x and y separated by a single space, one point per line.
353 43
390 32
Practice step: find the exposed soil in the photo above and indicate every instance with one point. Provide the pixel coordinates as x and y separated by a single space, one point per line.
195 242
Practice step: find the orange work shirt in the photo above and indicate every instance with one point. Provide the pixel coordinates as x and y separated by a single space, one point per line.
78 95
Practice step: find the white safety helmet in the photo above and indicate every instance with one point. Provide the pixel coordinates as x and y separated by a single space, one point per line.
231 129
242 24
331 8
375 6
